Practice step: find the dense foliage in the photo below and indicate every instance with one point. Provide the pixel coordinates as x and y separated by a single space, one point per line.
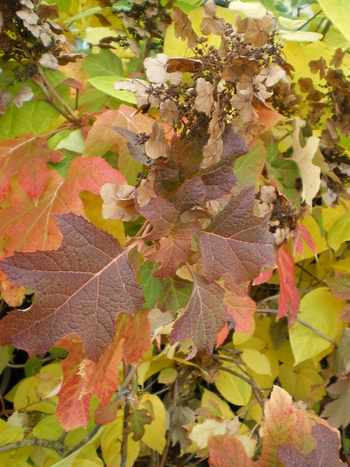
174 233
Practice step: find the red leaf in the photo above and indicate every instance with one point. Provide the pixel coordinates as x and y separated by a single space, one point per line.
72 410
240 306
220 338
136 332
80 288
203 318
173 250
263 277
165 215
106 415
31 225
102 378
237 242
28 156
227 451
289 299
305 234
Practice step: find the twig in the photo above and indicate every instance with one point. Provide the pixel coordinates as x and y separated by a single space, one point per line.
35 442
251 382
275 297
186 461
300 321
227 359
227 349
172 424
58 97
308 21
311 275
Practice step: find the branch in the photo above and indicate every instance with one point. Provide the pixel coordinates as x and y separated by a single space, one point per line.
172 424
300 321
35 442
251 382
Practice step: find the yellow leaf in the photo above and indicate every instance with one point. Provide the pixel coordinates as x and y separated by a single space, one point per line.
201 432
285 354
249 444
256 412
251 343
338 12
11 435
331 215
257 361
234 389
315 232
223 406
298 383
253 10
111 443
301 36
319 309
93 210
25 393
154 436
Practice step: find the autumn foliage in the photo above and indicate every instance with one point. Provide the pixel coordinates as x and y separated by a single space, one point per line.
174 234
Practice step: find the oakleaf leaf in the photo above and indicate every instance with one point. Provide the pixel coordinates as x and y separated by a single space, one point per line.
237 242
138 420
338 411
326 453
72 410
28 156
91 264
172 251
203 318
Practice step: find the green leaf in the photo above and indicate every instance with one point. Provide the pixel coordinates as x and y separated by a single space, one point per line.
48 428
106 63
105 84
247 168
73 142
84 14
341 358
319 309
339 232
5 356
32 367
137 420
339 13
151 286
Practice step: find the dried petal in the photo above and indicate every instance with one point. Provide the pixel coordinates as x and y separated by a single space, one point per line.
28 15
169 111
49 61
204 101
183 27
118 202
24 95
146 189
157 146
48 11
156 70
141 89
337 60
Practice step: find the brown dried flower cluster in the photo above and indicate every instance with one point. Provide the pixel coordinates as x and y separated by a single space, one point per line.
333 94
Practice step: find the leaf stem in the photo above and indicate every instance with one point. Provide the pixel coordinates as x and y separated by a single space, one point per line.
302 322
308 21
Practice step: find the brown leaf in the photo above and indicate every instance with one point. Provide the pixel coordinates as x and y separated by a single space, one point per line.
212 152
156 70
258 30
157 146
118 202
204 101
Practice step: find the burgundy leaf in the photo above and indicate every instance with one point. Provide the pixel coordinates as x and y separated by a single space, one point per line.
173 250
237 242
80 288
325 454
203 318
165 215
219 180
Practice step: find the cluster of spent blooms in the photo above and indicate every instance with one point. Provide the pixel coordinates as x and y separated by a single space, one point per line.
144 25
284 217
229 83
335 95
